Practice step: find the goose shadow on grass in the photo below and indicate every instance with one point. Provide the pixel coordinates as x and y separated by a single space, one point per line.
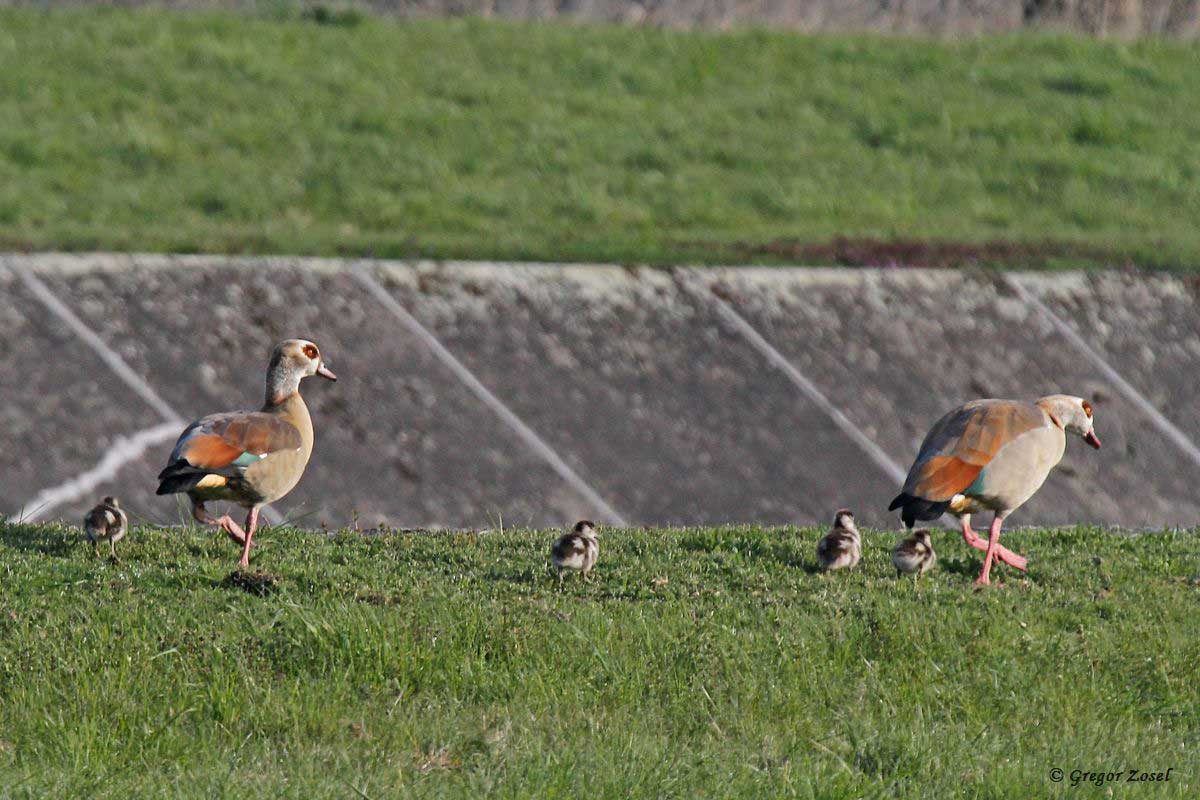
599 587
524 576
536 578
968 569
959 565
59 543
791 555
810 567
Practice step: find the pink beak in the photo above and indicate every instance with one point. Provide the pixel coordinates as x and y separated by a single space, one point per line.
1092 439
326 372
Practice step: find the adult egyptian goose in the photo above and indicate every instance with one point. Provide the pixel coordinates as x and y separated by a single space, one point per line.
578 549
914 554
106 520
251 458
841 548
991 455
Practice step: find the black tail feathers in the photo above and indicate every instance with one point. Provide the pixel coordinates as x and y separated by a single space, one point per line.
177 477
177 484
917 508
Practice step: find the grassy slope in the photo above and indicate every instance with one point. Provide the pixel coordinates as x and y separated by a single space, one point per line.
448 665
153 131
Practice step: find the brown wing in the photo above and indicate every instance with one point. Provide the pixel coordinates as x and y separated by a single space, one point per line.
224 445
221 439
568 545
97 519
962 443
908 547
832 543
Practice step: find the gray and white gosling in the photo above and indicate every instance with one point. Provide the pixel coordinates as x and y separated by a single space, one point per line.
914 554
576 550
106 521
841 548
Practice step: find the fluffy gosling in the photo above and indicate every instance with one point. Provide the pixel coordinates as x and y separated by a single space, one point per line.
576 550
914 554
106 521
841 548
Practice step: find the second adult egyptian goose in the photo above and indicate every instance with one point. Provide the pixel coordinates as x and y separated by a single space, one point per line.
991 455
251 458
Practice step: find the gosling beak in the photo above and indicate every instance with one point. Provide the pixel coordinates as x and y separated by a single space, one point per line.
326 372
1092 439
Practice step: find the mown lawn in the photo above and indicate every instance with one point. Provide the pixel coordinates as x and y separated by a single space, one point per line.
142 130
698 662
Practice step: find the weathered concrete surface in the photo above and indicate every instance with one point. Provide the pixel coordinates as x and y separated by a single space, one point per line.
1143 18
630 375
398 438
897 349
1148 328
657 404
60 405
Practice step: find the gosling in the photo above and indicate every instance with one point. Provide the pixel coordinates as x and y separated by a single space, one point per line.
577 550
106 521
914 555
841 548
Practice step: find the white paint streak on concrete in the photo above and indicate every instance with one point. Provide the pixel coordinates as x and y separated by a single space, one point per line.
602 276
92 339
129 449
119 453
798 378
527 434
1130 392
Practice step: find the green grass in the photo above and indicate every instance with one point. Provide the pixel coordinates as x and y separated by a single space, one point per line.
709 663
223 133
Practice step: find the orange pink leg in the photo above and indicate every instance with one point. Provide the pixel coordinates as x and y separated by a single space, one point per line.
251 524
992 547
224 522
240 537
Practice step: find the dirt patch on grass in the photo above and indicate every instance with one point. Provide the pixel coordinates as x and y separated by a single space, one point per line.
259 584
374 598
938 254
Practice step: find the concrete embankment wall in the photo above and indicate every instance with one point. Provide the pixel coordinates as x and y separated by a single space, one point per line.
477 394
